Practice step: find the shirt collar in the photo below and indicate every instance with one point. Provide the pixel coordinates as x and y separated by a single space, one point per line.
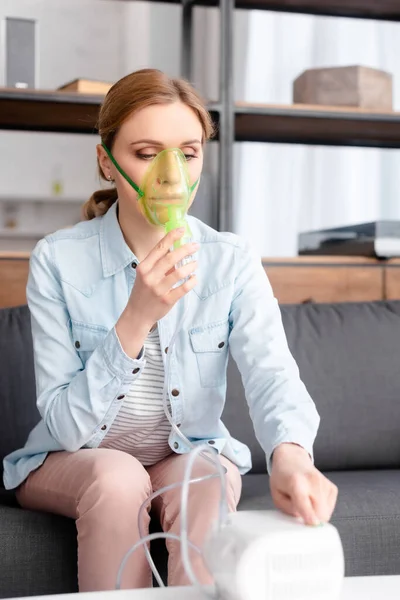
115 253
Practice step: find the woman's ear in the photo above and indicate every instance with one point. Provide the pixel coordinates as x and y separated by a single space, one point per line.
104 162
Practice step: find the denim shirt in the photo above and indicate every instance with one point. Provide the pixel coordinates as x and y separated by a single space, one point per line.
79 284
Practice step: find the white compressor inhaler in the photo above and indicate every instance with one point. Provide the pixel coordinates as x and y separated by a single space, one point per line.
265 555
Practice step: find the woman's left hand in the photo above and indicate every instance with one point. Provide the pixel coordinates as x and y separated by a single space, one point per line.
298 488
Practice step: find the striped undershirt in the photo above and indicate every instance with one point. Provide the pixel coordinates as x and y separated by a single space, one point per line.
141 427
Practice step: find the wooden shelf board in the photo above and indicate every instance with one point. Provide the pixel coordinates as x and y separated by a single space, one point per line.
22 234
362 9
281 261
53 111
9 255
303 124
77 113
36 110
38 200
307 261
315 110
365 9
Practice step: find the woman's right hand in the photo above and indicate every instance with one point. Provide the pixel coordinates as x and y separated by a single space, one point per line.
154 293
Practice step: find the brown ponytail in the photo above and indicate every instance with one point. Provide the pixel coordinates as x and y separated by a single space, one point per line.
130 94
99 203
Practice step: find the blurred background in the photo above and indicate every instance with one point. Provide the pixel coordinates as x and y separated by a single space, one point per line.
278 190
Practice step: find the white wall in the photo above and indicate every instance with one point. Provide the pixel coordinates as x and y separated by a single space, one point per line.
136 44
76 39
103 39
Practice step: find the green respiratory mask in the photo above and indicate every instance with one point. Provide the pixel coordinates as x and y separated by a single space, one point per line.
165 192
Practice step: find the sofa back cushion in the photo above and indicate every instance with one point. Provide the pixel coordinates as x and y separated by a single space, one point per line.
17 380
349 358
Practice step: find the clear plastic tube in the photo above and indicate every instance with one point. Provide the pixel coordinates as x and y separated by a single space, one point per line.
148 538
183 537
223 510
196 451
175 429
144 507
180 435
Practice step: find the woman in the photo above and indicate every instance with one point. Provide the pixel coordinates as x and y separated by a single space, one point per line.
105 302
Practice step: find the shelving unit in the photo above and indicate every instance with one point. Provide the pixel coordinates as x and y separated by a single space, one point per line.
59 112
388 10
307 125
41 199
22 234
32 110
77 113
294 124
328 126
294 280
20 240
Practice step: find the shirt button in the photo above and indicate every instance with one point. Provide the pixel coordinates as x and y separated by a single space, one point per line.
175 393
104 427
136 371
121 397
211 442
221 344
176 445
77 345
134 265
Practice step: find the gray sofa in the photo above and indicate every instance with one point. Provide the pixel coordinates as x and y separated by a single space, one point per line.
349 357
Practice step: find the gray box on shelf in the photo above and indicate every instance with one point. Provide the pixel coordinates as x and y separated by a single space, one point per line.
358 87
20 57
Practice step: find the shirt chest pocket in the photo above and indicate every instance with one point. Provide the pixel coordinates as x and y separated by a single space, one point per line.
86 338
210 343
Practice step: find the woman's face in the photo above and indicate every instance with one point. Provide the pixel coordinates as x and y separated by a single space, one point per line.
143 136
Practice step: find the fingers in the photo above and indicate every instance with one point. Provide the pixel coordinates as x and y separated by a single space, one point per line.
176 275
309 495
177 293
284 503
315 500
324 501
302 504
161 250
167 263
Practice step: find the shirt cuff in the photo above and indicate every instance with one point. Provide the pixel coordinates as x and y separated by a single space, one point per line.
305 444
118 362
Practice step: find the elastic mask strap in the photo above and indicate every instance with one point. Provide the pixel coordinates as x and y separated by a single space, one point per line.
125 175
193 187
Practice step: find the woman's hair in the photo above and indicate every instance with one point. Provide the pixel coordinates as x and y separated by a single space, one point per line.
130 94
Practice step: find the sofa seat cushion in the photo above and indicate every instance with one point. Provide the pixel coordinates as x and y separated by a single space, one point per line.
37 553
367 517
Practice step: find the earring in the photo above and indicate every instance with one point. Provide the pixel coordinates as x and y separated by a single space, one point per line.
109 178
